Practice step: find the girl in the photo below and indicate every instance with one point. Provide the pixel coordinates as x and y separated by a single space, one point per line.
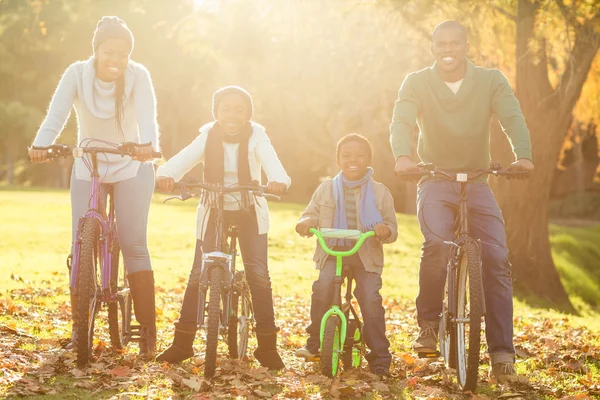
233 149
114 101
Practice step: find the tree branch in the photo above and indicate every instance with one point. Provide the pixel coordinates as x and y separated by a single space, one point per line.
570 17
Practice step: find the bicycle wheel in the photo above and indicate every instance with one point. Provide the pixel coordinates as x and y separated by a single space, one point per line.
88 288
353 347
240 319
214 320
119 311
446 337
469 312
331 349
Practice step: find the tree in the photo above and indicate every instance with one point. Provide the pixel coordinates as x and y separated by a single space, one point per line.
549 81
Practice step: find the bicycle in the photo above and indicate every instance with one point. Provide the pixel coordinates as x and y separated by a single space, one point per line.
224 301
94 264
341 327
464 299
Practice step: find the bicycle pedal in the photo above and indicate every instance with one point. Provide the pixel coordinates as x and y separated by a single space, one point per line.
134 333
429 354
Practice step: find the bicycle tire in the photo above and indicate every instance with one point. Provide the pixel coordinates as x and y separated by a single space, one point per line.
240 320
214 320
350 345
119 311
331 349
468 350
86 289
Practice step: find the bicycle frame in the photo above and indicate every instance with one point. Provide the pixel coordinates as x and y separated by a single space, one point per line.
108 233
462 235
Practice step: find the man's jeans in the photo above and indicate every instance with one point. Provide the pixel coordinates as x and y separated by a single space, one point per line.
437 208
254 253
366 292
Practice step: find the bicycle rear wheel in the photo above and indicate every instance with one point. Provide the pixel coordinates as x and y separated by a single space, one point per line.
332 347
467 327
241 318
88 288
119 311
214 321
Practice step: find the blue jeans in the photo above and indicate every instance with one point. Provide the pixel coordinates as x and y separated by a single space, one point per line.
437 208
254 253
366 292
132 198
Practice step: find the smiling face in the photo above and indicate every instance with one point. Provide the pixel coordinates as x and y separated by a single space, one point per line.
233 113
450 48
354 158
112 58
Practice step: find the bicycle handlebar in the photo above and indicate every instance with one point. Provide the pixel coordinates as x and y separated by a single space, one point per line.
324 233
253 188
435 172
62 150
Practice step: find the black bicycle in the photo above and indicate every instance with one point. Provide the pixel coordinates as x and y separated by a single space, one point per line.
464 301
224 301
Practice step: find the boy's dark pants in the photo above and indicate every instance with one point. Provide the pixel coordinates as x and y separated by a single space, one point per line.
254 252
369 299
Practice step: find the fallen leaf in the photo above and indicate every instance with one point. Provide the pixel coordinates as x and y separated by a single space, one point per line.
381 387
120 371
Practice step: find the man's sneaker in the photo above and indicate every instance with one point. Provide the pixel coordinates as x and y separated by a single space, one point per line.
427 340
307 354
505 372
380 370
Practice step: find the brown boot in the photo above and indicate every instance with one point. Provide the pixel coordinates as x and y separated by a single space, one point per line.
141 285
182 347
266 352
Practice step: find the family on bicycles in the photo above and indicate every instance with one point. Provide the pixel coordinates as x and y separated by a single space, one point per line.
451 103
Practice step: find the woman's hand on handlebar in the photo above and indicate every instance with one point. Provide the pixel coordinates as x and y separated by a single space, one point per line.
38 155
276 188
165 184
143 153
523 166
405 164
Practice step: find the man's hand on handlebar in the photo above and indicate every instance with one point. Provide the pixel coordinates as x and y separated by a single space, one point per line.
276 188
522 167
405 164
165 184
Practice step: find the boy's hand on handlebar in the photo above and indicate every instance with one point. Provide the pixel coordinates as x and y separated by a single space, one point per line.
382 231
165 184
276 188
37 155
405 164
522 165
143 153
303 226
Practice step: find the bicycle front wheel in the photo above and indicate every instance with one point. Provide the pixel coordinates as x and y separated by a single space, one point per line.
241 317
88 288
214 321
467 324
332 347
119 311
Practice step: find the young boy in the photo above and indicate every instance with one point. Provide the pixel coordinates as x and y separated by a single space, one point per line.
352 200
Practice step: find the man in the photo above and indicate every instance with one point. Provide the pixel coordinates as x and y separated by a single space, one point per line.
453 102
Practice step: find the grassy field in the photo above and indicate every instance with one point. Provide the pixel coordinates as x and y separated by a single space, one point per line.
34 241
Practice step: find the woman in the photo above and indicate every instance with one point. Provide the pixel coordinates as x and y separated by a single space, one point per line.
114 102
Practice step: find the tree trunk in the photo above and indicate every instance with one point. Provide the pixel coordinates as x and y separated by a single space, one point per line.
548 113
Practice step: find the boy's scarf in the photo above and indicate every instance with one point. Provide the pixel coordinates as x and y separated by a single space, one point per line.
214 155
368 213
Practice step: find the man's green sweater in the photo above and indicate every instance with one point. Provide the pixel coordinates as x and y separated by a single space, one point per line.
455 128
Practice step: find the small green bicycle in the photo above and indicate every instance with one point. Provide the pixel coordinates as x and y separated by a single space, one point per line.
341 328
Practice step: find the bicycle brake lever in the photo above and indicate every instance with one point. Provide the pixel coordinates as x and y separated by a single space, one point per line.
172 198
